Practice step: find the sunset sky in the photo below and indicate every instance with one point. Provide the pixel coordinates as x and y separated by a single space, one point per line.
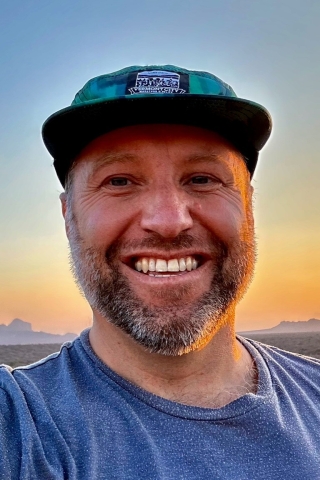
268 51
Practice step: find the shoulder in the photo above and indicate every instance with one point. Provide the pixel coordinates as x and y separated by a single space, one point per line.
281 355
23 392
287 366
18 381
28 398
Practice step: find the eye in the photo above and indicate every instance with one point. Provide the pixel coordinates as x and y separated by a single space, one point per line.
200 180
204 183
120 182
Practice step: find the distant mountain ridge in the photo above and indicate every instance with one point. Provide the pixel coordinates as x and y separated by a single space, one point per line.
19 332
311 325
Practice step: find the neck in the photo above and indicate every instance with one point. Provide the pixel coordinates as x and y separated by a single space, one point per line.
213 376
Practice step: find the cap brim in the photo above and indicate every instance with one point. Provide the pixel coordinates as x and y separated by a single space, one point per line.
245 124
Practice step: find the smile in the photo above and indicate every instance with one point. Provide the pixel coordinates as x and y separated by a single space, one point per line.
154 266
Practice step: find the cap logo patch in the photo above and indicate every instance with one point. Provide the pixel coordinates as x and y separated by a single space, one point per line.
157 81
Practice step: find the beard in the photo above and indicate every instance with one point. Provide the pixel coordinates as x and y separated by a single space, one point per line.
177 327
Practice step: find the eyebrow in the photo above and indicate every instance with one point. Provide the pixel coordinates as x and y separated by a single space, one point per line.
206 157
212 158
227 162
111 158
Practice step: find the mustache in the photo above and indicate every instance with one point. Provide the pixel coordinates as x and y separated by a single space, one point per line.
156 241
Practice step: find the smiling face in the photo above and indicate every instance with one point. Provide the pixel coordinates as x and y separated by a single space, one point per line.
160 227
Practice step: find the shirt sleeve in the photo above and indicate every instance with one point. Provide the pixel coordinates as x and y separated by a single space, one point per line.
10 437
31 446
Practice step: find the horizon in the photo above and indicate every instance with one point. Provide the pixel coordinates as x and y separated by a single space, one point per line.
77 333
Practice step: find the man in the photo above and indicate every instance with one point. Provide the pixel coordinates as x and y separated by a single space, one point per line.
158 213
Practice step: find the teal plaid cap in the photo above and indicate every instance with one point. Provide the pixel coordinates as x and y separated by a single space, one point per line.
151 80
155 94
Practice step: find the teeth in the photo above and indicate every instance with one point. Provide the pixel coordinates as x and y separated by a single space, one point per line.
173 265
161 266
182 265
152 265
146 265
189 264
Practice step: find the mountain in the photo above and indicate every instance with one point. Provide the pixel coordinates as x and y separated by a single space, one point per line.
312 325
19 332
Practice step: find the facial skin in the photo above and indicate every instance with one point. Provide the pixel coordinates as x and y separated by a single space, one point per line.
161 192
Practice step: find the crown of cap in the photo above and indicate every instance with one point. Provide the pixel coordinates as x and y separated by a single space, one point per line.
151 80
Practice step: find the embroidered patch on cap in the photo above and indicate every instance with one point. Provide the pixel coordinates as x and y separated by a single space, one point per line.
157 81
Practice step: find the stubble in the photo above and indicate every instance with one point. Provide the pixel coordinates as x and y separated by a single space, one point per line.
177 327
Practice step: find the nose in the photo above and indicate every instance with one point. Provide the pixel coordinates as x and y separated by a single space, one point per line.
166 211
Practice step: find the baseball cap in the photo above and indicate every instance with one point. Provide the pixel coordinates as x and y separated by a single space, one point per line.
155 94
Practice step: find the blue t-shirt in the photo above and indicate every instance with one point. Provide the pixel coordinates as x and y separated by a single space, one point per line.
70 417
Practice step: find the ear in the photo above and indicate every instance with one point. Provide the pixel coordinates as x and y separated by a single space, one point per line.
64 208
63 200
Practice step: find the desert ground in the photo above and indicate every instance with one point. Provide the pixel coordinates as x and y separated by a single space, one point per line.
19 355
303 343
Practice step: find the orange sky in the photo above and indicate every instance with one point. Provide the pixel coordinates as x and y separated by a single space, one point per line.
38 287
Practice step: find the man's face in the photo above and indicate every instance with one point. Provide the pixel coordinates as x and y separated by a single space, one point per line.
161 232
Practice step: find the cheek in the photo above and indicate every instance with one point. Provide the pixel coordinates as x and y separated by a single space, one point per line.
225 219
105 224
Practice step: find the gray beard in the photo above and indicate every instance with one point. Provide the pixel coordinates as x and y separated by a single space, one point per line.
178 327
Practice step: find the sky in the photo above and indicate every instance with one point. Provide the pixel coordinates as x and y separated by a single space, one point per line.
268 51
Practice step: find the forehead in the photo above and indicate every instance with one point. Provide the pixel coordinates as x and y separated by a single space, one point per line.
177 144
